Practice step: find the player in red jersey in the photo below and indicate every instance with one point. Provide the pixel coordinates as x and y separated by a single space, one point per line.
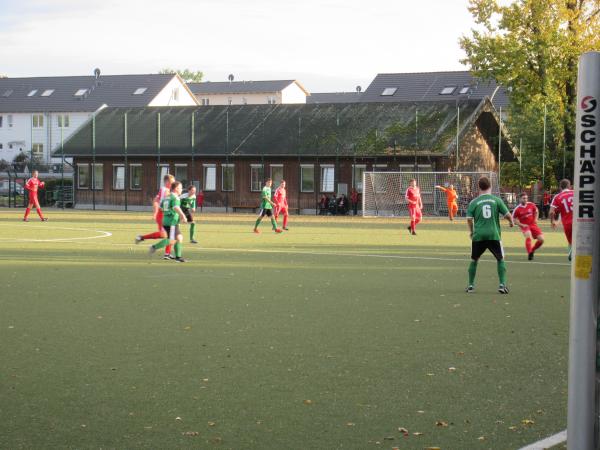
32 185
415 205
525 215
157 215
562 204
281 204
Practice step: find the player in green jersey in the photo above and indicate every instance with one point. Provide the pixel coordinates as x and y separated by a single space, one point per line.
483 219
188 206
172 215
266 207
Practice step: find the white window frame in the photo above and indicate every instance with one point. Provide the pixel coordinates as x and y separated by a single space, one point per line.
175 94
448 90
322 178
131 177
223 167
37 121
205 177
47 93
388 91
62 121
464 90
140 91
205 101
378 167
98 181
37 149
89 178
9 120
261 175
32 93
115 177
276 166
80 92
271 100
358 183
302 187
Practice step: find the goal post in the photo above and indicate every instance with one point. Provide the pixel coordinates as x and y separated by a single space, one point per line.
383 192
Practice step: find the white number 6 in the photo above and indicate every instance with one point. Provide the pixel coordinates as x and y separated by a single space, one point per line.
487 211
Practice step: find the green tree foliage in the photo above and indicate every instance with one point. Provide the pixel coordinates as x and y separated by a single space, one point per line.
532 47
189 76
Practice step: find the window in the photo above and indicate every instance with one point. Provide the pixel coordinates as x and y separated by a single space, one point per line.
62 120
389 91
357 176
47 93
229 100
327 178
276 174
80 92
407 168
83 176
140 91
37 121
7 93
307 178
210 177
118 177
256 177
32 93
379 167
271 100
227 177
448 90
1 145
9 119
98 176
244 101
205 102
37 151
1 118
162 170
181 174
135 177
464 90
175 94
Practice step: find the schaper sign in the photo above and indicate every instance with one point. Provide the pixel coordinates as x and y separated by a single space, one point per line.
587 155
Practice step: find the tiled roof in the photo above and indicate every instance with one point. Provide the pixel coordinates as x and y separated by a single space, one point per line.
239 87
334 97
31 94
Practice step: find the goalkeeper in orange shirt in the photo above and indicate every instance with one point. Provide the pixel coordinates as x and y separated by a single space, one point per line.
451 198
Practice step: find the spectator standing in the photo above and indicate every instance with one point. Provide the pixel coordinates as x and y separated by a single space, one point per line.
354 200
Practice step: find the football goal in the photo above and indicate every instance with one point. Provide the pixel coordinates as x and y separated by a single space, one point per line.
383 192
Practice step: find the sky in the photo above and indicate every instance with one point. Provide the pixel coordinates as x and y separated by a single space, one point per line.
327 45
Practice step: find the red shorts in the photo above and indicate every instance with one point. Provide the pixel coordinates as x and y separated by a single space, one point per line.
414 213
534 229
159 219
281 210
568 227
33 199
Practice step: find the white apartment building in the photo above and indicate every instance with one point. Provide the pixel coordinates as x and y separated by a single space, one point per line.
37 114
249 92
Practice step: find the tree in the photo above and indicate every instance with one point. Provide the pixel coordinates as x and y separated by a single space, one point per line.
532 47
189 76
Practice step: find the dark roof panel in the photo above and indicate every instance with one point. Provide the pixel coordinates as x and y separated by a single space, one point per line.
238 87
333 97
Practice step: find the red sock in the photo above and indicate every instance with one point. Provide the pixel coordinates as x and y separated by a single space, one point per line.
285 221
537 245
27 211
39 211
155 235
168 249
528 245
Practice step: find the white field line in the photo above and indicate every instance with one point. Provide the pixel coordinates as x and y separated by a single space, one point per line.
549 442
102 234
368 255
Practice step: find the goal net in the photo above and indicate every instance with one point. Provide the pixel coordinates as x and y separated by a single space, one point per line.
383 192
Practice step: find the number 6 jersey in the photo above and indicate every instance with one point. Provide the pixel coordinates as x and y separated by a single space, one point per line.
485 211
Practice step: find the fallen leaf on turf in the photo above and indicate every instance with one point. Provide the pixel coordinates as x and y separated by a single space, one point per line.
513 428
308 402
350 424
527 422
177 418
442 424
191 433
540 412
417 433
211 424
187 328
420 412
430 374
83 425
481 438
205 379
499 422
404 431
99 317
388 438
451 369
460 354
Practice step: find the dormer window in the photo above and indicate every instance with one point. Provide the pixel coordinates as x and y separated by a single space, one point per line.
7 93
32 93
464 90
389 91
448 90
47 93
140 91
80 92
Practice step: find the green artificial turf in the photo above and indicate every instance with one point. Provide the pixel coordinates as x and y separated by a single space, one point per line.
340 333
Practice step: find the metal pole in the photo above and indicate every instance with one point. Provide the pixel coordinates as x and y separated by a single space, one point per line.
158 148
226 158
62 168
416 135
125 178
193 138
500 150
94 162
564 160
583 346
544 151
457 128
521 164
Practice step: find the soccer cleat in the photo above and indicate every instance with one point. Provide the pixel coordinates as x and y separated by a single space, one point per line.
470 289
25 220
530 256
44 219
167 256
414 233
286 228
193 241
277 230
152 250
138 239
256 231
180 259
409 229
503 289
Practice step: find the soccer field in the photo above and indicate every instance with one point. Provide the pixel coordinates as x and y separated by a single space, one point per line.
340 333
